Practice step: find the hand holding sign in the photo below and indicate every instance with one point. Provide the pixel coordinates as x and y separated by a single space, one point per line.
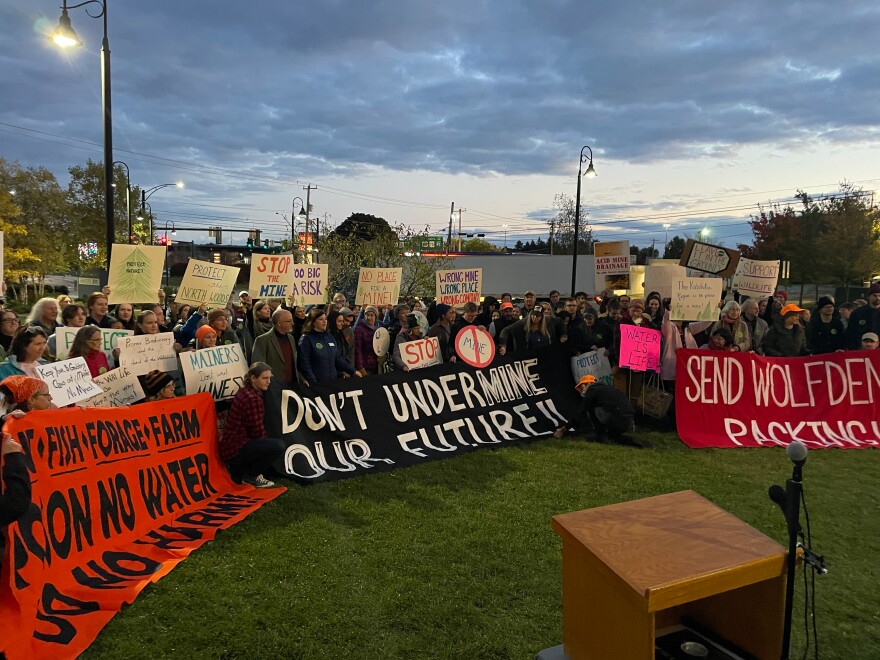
639 348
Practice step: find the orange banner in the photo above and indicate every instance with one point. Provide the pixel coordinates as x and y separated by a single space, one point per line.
120 497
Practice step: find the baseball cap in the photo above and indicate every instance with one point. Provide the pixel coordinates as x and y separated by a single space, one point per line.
870 336
242 294
585 380
506 305
789 308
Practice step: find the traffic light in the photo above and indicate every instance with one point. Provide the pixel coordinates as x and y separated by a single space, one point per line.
250 242
163 240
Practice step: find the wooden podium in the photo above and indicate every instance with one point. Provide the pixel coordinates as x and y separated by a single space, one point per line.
635 568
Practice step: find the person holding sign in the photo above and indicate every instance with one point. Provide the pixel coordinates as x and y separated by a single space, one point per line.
320 359
412 332
26 352
206 337
608 410
244 445
89 343
157 386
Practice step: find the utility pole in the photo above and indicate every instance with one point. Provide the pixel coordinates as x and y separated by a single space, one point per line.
449 237
309 243
552 229
460 211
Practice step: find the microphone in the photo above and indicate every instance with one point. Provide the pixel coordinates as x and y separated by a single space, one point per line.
777 494
797 454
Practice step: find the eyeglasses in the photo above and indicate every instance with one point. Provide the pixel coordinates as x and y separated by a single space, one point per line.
42 394
11 319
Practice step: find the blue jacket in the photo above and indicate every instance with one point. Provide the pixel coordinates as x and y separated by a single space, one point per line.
11 368
320 357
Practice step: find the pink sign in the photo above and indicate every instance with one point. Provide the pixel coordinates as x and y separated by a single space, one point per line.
639 348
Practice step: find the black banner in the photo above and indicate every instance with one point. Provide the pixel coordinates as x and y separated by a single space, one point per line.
349 427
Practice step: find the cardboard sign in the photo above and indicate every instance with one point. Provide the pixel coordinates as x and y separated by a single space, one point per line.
475 346
707 258
695 299
421 353
457 287
756 278
64 337
378 286
271 275
659 279
639 348
69 381
205 283
636 282
120 388
144 353
592 363
135 273
309 284
381 342
219 370
612 265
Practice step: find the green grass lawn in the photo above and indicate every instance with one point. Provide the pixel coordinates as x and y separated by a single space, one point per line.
456 559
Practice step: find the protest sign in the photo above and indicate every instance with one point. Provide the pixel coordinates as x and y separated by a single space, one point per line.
271 275
457 287
636 281
639 348
119 498
695 299
354 426
475 346
135 273
378 286
206 283
309 284
144 353
592 363
756 278
612 265
219 370
120 388
725 399
65 335
706 258
421 353
381 342
659 278
69 381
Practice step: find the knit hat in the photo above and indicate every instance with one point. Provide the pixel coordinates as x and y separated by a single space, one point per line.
442 309
782 293
154 382
203 332
412 321
215 314
823 301
345 311
875 288
22 387
370 308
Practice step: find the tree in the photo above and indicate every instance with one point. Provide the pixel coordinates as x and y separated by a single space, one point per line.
645 253
478 245
562 227
674 248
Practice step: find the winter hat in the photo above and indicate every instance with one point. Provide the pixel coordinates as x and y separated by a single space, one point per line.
203 332
215 314
824 300
412 321
370 308
154 382
345 311
875 288
782 293
442 309
22 387
727 334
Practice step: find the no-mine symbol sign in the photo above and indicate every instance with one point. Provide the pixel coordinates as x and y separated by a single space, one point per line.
475 347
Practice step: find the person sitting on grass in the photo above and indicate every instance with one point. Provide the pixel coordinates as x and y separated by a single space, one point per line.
244 445
607 409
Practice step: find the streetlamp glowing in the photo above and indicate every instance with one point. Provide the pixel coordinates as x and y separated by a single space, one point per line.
64 35
591 172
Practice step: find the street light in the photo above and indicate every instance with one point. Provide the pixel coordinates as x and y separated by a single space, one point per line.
302 215
65 37
666 226
577 212
146 194
505 236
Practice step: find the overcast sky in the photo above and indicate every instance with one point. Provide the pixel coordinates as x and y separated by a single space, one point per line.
695 111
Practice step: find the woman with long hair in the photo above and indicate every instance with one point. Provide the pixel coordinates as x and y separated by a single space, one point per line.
88 343
44 314
535 330
72 316
337 328
147 323
124 313
365 359
319 357
26 352
245 445
9 324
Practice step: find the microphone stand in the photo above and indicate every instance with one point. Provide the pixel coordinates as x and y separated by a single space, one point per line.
793 491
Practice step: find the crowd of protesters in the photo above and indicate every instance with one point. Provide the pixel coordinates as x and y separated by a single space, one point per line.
313 344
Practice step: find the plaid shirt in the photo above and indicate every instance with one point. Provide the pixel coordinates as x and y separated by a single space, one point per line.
245 422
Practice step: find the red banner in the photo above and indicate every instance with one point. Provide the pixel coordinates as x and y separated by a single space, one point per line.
746 400
120 497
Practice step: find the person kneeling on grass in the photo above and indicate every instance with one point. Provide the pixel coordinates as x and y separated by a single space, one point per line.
244 445
608 410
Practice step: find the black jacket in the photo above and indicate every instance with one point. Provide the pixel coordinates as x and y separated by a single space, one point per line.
16 495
